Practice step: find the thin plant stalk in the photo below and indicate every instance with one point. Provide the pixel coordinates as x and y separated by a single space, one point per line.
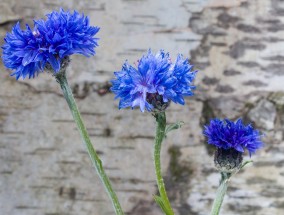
221 192
67 92
163 200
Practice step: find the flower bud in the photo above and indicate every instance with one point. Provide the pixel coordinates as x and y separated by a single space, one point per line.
228 160
157 102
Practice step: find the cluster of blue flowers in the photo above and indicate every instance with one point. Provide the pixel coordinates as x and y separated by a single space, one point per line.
156 78
62 34
228 134
155 75
151 85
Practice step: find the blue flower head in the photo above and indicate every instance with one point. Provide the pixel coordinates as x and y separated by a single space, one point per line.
23 52
233 135
155 80
59 36
67 34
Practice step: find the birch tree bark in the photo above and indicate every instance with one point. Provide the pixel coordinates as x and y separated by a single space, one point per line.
238 47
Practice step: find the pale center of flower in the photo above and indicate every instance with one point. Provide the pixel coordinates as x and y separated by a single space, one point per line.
36 33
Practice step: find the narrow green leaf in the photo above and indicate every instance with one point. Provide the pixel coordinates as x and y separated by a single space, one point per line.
174 126
245 163
160 202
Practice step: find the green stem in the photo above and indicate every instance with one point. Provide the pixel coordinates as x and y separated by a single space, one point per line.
222 189
67 92
160 134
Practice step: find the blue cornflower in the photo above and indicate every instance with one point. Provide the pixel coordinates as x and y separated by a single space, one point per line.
52 40
67 34
23 52
233 135
156 78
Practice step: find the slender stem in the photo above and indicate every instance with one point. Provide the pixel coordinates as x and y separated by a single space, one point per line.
67 92
222 189
160 134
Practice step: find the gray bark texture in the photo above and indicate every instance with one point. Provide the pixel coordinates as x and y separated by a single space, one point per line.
236 45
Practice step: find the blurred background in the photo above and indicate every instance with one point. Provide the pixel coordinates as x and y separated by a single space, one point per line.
236 45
